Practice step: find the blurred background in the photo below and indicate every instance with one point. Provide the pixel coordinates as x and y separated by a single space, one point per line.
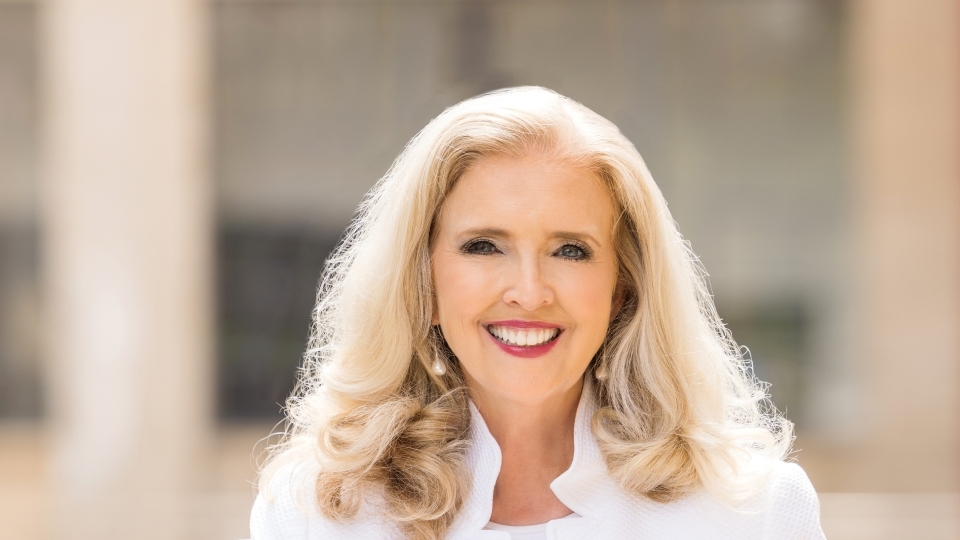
173 174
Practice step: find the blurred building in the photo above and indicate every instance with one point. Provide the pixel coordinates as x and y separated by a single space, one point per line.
173 174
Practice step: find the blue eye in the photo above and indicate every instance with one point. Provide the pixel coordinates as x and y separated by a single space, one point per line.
573 251
480 247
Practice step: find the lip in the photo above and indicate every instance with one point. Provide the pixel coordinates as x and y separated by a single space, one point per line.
519 351
522 324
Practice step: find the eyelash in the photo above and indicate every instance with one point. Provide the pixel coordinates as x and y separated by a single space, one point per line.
587 254
468 248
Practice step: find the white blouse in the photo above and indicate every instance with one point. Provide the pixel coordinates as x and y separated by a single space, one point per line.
786 508
525 532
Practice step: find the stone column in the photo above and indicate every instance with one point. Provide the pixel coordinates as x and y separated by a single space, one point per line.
127 227
906 88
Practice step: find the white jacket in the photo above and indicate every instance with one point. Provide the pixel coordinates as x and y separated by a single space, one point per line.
785 509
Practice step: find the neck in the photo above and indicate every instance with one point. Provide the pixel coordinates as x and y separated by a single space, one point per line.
530 423
536 446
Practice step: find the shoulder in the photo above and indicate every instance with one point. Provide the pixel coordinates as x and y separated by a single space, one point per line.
784 506
793 511
285 506
286 509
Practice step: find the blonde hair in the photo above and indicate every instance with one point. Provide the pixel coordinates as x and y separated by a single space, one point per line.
679 408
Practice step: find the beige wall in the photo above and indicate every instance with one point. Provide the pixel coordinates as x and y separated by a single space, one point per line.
905 65
127 242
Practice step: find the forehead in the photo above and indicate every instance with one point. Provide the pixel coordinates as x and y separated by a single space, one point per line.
529 193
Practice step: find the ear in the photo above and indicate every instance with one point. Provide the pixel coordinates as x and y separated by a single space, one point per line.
619 297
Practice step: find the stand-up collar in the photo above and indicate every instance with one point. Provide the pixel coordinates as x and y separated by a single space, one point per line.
580 487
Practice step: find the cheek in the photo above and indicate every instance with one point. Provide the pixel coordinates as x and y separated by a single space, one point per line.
461 290
589 300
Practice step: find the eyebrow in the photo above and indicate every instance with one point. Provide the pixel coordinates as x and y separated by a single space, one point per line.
486 231
494 232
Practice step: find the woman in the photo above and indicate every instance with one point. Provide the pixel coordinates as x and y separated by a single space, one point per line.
514 341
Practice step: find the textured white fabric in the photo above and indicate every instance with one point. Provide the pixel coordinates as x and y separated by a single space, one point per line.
785 509
525 532
520 532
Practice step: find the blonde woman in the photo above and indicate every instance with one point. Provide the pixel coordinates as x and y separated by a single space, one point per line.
514 341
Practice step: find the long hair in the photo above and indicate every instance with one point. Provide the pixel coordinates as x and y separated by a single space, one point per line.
679 407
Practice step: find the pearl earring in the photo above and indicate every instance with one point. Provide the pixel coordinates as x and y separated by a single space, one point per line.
601 372
439 366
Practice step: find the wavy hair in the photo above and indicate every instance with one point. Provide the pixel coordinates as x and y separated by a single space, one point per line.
679 407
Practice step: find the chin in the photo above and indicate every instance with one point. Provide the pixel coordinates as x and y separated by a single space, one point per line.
531 392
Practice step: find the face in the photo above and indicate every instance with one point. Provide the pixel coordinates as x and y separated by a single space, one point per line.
525 275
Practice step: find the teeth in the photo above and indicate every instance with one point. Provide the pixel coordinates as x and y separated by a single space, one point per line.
523 337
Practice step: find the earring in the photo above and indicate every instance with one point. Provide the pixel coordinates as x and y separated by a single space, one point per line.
439 367
601 372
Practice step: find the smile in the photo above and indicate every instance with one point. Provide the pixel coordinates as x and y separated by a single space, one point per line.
524 338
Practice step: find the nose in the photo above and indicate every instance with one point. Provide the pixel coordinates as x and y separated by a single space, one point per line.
528 289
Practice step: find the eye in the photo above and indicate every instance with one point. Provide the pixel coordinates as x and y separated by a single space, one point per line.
573 252
479 247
